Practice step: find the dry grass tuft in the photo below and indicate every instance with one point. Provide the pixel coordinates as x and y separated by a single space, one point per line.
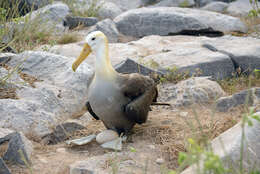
3 148
236 84
68 38
30 79
170 131
8 93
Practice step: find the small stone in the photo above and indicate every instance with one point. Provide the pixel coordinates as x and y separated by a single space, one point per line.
106 136
43 160
19 149
151 146
61 150
62 132
159 161
183 114
113 145
81 141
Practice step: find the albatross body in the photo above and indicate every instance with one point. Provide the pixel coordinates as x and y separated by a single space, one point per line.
118 100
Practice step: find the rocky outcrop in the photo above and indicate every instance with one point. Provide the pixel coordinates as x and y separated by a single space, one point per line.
172 20
50 17
244 52
50 93
216 57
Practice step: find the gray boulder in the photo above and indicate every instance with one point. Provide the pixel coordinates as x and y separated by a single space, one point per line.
198 90
19 149
73 22
54 94
239 8
173 20
228 147
243 51
174 3
249 97
3 168
216 7
108 27
50 17
109 10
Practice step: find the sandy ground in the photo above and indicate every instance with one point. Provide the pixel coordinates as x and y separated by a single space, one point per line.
163 136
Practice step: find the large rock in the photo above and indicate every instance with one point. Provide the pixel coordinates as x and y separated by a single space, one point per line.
221 56
216 57
52 93
216 7
108 27
109 10
248 97
244 52
174 3
173 20
228 147
49 18
19 149
239 8
186 56
198 90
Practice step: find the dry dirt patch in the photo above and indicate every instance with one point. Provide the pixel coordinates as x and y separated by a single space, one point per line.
166 131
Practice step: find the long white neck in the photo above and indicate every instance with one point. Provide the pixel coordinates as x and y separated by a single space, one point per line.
103 65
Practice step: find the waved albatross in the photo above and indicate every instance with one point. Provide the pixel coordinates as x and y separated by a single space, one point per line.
118 100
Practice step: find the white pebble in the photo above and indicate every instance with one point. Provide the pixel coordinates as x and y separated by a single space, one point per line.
159 161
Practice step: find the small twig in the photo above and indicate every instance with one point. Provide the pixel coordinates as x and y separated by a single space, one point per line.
162 104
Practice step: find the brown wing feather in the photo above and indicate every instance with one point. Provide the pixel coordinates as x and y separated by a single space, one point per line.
142 91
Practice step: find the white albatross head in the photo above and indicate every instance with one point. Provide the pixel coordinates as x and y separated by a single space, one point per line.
97 43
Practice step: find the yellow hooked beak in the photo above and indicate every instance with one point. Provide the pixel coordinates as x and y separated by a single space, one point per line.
83 55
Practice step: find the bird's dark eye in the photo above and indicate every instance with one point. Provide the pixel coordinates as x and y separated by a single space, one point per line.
93 38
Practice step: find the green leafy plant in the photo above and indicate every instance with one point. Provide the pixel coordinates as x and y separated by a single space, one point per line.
255 8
